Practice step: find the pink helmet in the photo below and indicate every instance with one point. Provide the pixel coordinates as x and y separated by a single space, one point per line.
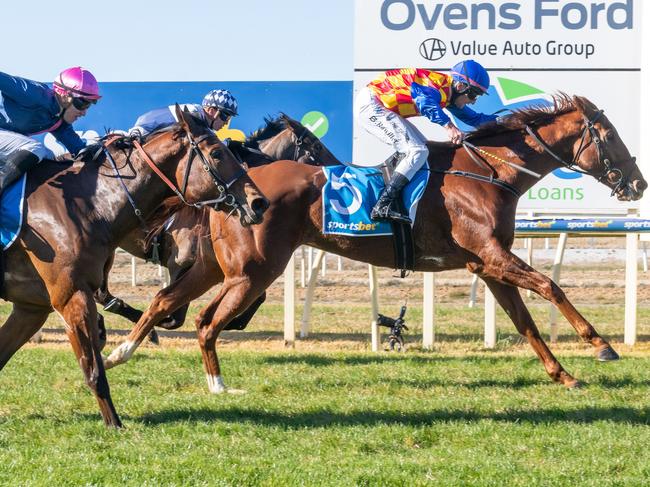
77 82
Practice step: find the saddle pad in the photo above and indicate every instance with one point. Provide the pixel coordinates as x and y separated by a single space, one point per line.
11 212
351 192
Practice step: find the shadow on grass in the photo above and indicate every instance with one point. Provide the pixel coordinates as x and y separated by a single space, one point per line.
328 418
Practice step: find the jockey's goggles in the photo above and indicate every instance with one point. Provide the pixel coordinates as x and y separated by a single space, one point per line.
223 116
82 103
473 93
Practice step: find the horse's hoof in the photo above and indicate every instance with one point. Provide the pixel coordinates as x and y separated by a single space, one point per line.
108 363
153 337
607 355
236 391
573 385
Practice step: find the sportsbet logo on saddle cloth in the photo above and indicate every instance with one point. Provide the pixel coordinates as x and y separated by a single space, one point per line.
351 192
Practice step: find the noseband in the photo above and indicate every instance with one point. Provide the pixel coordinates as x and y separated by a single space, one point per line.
619 180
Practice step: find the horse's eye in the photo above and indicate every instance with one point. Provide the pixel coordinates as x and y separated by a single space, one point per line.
215 154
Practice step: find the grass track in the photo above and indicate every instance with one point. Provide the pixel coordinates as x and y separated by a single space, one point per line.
336 418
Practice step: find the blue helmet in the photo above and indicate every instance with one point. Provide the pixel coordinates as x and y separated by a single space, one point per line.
472 73
221 99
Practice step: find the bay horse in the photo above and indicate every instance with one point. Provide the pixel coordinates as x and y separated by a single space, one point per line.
466 218
184 236
77 216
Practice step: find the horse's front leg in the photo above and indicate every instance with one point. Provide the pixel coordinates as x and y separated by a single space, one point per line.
80 316
234 298
510 300
506 267
196 281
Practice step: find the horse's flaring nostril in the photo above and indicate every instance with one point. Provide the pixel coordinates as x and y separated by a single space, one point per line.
639 185
260 205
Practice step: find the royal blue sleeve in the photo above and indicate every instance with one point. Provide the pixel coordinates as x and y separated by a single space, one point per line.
69 138
427 100
23 91
469 116
153 120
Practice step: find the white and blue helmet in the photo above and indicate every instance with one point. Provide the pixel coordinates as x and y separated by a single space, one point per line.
221 99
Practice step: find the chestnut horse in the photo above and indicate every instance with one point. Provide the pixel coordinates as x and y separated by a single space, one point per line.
466 218
77 216
179 239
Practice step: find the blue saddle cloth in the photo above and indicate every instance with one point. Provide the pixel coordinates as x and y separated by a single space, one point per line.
351 192
11 212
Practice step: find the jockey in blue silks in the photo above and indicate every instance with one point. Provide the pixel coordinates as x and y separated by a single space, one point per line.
383 106
29 108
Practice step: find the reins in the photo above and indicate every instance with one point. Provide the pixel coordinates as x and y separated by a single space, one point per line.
589 128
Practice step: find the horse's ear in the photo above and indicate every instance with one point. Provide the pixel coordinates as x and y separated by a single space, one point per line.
294 124
584 105
181 116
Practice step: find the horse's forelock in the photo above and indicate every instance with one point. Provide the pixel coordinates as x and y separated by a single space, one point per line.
272 127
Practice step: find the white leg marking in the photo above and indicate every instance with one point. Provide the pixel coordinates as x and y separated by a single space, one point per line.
215 384
120 355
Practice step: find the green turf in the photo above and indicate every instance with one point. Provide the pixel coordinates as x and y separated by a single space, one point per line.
336 419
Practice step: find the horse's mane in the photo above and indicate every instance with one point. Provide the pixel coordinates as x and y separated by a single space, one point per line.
531 115
271 128
167 208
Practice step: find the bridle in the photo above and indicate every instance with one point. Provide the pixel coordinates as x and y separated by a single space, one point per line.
309 155
223 186
589 128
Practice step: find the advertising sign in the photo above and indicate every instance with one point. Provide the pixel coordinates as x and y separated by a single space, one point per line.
327 115
532 50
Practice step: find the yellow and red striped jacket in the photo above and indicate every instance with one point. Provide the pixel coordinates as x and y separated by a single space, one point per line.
393 88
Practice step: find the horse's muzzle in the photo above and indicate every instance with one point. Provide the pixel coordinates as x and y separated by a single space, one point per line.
253 212
632 191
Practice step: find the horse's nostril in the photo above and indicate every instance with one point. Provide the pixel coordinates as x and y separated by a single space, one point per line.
260 205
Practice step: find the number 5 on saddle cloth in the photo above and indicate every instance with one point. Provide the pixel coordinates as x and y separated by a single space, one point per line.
349 196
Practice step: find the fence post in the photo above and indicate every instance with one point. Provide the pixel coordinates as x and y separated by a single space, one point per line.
557 268
428 311
290 303
631 250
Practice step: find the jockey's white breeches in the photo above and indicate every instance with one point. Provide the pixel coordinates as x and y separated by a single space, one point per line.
393 130
11 142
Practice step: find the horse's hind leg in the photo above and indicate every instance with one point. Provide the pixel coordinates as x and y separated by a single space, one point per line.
80 316
20 326
506 267
510 299
115 305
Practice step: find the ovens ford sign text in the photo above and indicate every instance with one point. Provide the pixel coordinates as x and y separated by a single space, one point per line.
536 14
558 33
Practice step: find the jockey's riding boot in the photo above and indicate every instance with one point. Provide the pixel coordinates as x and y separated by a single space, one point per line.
15 166
389 206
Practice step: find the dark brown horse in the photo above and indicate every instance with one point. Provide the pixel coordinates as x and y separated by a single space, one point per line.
466 219
76 217
185 236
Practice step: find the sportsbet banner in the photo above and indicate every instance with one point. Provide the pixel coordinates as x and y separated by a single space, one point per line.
532 49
